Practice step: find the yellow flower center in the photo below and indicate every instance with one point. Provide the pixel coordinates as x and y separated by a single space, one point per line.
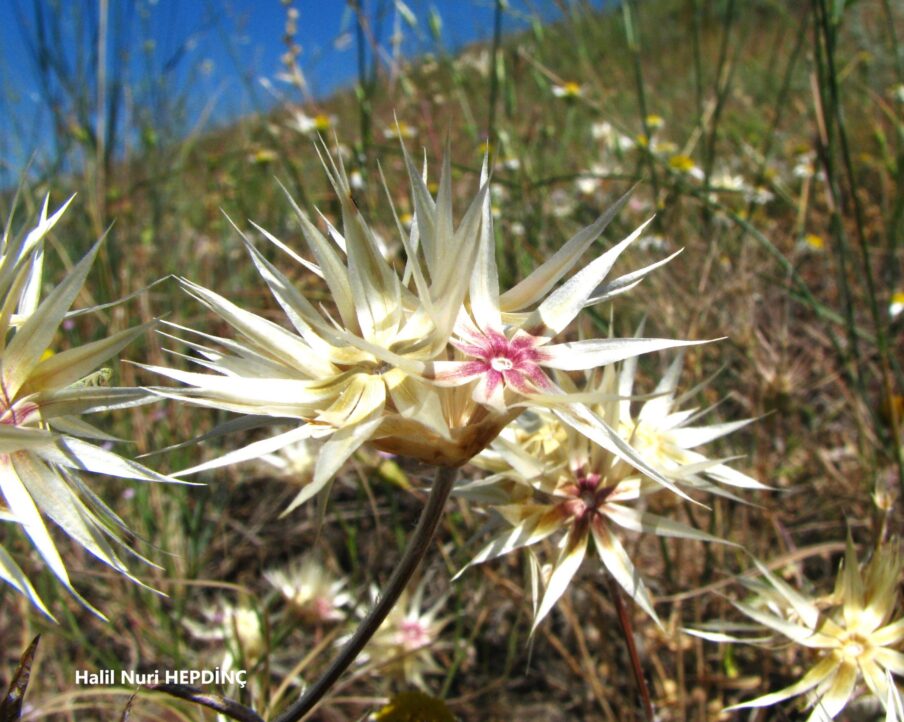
572 88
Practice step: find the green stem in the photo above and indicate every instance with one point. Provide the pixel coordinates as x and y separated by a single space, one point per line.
494 76
410 561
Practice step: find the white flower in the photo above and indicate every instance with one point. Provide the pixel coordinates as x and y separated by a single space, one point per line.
568 91
310 591
405 642
897 304
45 442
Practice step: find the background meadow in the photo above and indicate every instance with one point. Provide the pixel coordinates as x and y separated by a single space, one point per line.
767 138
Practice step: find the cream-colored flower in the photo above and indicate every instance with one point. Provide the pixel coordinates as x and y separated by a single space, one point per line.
565 482
854 634
504 342
45 443
667 437
238 627
311 591
406 640
355 372
429 364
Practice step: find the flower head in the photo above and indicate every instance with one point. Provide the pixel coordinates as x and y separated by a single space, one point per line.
405 642
238 626
504 340
310 591
667 437
429 363
45 445
564 482
353 373
853 634
569 90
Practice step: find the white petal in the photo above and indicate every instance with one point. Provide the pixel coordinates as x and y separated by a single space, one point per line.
617 561
537 284
566 567
253 450
563 304
15 577
592 353
35 335
825 667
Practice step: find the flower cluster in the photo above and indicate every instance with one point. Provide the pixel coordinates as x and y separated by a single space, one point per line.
430 361
547 477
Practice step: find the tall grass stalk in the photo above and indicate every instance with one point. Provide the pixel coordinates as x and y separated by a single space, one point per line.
494 75
632 36
828 27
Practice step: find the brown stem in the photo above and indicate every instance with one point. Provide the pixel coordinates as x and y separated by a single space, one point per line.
624 619
411 559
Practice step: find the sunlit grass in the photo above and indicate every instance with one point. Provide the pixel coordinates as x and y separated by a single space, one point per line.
731 117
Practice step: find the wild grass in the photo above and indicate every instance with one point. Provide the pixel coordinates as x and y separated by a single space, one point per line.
767 137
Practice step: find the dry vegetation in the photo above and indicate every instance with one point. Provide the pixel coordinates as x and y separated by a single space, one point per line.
790 212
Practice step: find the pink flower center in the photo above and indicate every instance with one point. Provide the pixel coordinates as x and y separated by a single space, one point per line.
514 362
587 496
413 635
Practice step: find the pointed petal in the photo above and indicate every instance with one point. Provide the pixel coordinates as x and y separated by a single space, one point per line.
828 665
15 577
484 293
534 528
57 501
334 271
34 336
334 453
641 521
73 364
840 690
566 567
889 635
563 304
253 450
624 283
537 284
689 437
808 612
23 507
890 659
592 353
617 561
852 591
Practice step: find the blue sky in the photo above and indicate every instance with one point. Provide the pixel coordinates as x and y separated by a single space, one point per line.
212 51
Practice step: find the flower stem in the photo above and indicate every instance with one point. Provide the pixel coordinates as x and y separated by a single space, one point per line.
628 630
411 559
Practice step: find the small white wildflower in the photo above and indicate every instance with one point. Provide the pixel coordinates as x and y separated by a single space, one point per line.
356 180
587 185
310 591
897 304
568 91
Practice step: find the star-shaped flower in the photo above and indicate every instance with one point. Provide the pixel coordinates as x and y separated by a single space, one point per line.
45 445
